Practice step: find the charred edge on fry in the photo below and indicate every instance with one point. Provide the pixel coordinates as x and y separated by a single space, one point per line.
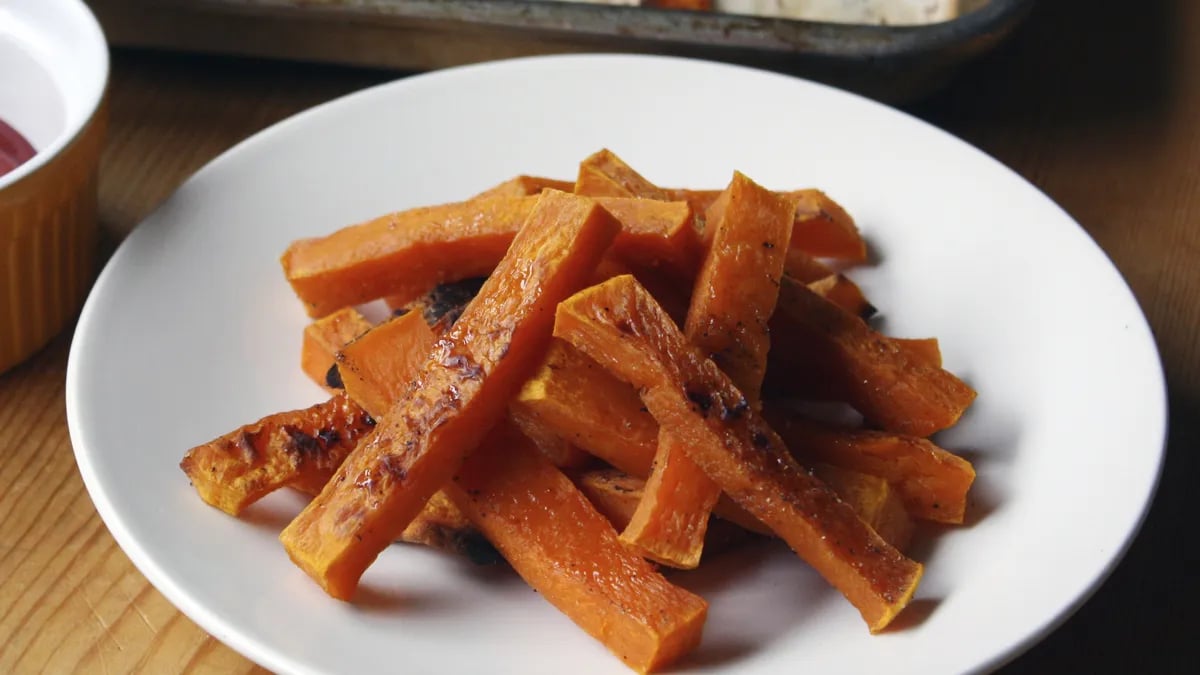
445 303
333 378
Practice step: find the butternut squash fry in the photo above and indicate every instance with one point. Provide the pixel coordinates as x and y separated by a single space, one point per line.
606 175
443 526
671 521
932 482
619 325
603 174
616 495
442 305
462 391
389 370
562 547
823 281
378 367
560 453
804 268
733 299
652 236
543 411
523 186
844 293
789 377
884 381
300 448
873 499
403 255
322 339
736 290
587 407
926 349
822 227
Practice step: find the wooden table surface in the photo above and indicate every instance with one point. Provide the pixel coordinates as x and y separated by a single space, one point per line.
1097 103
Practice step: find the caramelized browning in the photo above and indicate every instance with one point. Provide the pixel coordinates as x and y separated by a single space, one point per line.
299 448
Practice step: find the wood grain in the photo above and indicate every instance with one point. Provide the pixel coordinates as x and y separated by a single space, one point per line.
1096 104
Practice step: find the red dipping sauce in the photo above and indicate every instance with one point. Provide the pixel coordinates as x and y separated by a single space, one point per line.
14 149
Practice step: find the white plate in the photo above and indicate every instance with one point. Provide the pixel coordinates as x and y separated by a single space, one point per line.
192 331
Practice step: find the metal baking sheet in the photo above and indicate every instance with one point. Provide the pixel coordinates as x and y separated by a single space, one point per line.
891 63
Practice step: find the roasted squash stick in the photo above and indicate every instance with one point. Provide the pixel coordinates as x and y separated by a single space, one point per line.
299 448
873 498
402 255
732 301
925 349
655 234
380 365
882 379
932 482
588 407
523 186
556 449
616 495
844 293
322 339
804 268
619 325
557 541
822 228
443 526
463 389
603 174
824 281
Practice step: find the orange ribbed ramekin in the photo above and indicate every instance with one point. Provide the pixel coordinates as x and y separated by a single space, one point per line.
48 241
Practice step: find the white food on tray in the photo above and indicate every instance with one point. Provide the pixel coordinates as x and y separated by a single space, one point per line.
889 12
884 12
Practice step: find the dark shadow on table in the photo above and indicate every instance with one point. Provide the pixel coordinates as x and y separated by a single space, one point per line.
1095 61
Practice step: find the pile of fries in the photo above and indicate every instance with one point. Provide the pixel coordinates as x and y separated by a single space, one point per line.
579 376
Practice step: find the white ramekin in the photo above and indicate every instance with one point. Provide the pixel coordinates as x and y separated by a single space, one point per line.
53 72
